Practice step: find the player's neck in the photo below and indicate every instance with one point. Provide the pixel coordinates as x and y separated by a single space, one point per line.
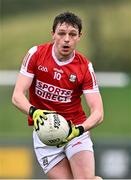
63 58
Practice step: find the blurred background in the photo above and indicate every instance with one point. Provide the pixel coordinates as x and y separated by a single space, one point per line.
106 41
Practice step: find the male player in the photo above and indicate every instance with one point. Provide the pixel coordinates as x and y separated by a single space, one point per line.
56 76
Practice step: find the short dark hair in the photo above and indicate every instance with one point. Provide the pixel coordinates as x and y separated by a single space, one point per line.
69 18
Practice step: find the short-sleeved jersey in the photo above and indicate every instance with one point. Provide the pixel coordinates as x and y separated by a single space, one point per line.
58 85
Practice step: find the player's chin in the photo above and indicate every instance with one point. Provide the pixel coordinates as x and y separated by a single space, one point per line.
67 53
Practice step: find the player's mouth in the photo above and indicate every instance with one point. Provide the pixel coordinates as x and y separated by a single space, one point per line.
65 48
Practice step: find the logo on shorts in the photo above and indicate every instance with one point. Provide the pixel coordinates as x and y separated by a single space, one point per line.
45 161
77 143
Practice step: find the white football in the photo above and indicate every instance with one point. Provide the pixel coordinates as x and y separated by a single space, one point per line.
54 130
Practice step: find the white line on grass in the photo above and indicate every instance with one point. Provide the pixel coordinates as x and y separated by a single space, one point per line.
105 79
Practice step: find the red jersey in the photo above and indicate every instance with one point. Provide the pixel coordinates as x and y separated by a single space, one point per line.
57 85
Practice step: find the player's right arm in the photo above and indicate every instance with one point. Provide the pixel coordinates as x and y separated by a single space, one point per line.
24 81
19 98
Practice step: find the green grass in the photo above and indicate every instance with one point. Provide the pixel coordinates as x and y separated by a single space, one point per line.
13 122
117 103
117 108
117 113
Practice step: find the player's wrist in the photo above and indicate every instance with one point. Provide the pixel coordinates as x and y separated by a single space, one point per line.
32 110
81 130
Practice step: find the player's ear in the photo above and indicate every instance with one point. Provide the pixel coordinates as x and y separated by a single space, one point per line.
52 33
80 34
53 36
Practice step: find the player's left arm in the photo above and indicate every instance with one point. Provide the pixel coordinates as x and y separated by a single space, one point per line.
95 104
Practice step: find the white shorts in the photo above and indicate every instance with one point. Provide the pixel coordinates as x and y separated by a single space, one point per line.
49 156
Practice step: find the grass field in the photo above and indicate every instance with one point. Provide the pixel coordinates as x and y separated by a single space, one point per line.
117 103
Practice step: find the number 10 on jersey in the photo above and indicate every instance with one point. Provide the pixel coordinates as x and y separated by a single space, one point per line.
57 75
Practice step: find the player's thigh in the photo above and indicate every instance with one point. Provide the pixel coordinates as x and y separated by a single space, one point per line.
83 165
61 170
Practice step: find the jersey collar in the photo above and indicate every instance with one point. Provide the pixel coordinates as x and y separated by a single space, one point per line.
61 63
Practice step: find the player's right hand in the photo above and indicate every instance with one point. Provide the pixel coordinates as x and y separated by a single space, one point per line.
74 131
39 116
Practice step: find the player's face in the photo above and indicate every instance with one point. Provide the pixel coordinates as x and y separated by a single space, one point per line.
65 38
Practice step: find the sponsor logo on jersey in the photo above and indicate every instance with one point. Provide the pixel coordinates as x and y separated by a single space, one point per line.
52 93
58 70
72 78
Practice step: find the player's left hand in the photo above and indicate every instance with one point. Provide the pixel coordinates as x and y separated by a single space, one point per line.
74 131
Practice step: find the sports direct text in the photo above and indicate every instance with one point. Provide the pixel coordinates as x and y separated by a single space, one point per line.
52 93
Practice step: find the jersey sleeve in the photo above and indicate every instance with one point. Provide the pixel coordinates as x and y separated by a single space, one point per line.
90 83
29 61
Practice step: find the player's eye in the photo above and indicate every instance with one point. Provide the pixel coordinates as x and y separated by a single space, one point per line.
61 33
73 34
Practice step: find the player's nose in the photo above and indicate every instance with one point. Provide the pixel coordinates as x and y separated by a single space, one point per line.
67 39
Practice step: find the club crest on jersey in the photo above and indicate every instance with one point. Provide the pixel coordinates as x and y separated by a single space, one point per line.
72 78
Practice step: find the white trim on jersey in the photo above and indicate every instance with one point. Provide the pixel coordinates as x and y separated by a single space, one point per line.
90 67
60 63
22 71
31 52
96 90
26 60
